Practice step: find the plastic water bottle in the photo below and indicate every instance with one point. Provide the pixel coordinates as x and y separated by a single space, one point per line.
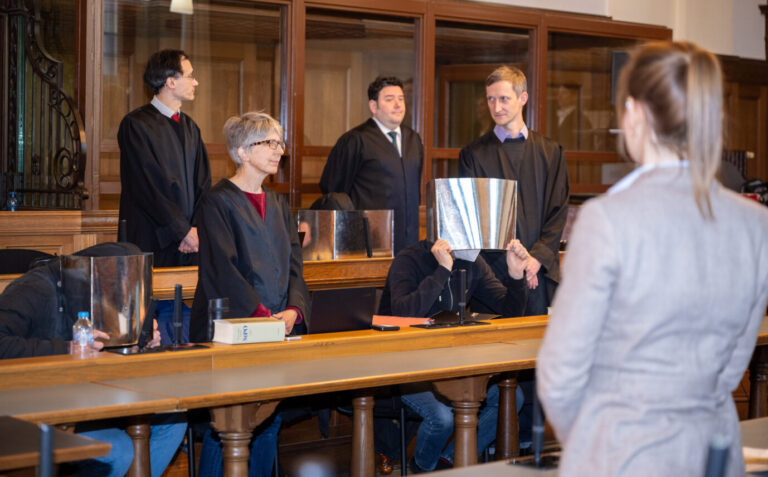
82 331
13 202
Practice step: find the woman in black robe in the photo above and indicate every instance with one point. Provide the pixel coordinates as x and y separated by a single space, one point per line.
249 253
249 246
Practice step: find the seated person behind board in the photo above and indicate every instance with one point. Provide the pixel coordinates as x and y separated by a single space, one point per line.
35 321
422 281
249 253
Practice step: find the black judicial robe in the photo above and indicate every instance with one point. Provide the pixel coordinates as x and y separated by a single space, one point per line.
246 259
162 181
365 165
539 167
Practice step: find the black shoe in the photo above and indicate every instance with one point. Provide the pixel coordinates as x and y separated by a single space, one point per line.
414 468
443 464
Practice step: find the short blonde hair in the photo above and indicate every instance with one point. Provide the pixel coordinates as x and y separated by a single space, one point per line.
244 130
681 86
509 73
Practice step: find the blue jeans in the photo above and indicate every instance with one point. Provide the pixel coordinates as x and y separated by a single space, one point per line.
263 451
167 432
437 425
164 312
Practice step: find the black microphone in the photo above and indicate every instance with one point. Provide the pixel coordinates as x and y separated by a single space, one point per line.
46 451
122 230
177 315
367 233
538 429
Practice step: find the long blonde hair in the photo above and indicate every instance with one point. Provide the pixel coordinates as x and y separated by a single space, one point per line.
681 85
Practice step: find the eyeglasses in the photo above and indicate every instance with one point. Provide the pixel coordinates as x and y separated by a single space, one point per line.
272 143
189 76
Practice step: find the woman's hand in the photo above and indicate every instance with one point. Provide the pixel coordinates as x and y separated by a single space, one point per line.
289 318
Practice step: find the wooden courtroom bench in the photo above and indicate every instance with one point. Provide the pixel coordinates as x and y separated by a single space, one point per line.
236 381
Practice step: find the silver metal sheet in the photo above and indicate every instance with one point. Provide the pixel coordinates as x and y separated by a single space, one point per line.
116 291
340 234
472 213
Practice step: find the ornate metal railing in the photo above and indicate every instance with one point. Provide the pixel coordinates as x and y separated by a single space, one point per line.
42 142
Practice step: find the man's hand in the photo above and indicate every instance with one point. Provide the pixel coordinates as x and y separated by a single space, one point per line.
442 252
531 272
289 318
92 348
155 336
517 258
190 244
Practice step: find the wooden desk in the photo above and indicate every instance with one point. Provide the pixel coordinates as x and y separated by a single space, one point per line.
80 402
243 397
20 445
52 370
36 372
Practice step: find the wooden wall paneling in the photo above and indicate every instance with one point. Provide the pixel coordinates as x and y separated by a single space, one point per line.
602 26
498 15
428 107
537 85
294 95
746 125
392 7
91 67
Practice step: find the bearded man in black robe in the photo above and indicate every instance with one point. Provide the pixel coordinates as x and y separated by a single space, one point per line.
164 166
378 163
511 151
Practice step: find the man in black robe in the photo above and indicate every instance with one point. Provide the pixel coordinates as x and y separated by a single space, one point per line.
378 163
164 166
513 152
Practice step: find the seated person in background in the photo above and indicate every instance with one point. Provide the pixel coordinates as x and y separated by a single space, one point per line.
35 321
249 253
422 281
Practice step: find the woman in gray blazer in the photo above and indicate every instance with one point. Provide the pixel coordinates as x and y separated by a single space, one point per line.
664 287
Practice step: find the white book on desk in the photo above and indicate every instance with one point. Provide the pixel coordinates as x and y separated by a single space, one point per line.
248 330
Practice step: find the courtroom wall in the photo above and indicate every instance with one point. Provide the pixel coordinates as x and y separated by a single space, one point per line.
727 27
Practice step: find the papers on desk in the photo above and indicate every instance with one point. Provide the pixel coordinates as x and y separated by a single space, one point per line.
400 321
248 330
756 459
753 455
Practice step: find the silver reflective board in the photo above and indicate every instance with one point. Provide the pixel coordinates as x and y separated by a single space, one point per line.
340 234
471 213
116 291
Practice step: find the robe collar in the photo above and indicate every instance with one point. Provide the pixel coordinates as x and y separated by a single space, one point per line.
164 110
501 134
